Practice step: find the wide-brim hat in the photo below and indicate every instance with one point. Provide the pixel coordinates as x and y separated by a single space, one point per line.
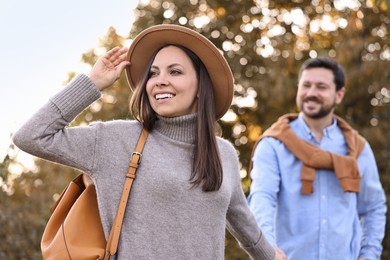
146 43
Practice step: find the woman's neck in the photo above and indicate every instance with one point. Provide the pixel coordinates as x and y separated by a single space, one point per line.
181 128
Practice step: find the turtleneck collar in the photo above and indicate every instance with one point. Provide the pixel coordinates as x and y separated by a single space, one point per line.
181 128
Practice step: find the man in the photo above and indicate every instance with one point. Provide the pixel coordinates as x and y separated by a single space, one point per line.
315 188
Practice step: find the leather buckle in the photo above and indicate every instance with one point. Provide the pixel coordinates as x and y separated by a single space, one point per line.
139 157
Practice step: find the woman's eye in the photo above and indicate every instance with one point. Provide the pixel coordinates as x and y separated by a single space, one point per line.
152 73
175 72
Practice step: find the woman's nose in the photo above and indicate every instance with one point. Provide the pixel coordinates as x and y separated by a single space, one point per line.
161 80
161 84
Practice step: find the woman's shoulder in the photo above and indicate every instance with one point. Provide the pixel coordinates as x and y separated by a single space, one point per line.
226 147
118 125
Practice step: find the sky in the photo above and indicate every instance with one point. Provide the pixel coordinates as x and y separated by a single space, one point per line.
40 42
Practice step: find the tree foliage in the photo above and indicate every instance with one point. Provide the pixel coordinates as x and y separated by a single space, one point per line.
265 42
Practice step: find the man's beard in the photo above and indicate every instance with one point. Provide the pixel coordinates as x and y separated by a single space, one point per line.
323 112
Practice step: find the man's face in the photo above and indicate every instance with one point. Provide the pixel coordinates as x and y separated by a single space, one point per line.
317 95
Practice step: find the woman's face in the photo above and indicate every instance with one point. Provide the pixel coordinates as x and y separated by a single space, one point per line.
173 84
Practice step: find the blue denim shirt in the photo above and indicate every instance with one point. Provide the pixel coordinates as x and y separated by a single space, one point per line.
327 224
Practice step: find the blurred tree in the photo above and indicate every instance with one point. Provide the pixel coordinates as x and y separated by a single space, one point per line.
265 42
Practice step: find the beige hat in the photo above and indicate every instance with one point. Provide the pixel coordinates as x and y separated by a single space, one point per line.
151 39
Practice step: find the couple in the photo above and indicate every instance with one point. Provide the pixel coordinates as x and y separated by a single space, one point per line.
188 187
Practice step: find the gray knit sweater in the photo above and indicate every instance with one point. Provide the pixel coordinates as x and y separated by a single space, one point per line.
166 218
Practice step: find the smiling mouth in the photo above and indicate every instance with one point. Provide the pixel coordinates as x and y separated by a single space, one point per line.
311 102
312 99
164 96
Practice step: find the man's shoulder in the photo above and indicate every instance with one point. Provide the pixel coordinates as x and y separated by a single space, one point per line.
269 141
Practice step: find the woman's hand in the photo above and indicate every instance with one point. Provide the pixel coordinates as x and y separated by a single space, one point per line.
279 254
109 67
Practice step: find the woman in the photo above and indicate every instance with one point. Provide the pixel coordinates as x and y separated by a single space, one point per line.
188 186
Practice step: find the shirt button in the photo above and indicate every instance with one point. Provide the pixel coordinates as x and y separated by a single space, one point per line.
323 197
324 221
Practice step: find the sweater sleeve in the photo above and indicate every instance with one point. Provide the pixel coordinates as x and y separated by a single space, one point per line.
46 135
241 222
371 206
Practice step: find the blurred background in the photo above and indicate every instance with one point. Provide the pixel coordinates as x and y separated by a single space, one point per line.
264 41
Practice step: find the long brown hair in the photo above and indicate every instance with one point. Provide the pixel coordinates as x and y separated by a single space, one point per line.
206 165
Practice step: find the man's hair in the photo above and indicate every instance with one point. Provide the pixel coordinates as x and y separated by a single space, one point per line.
327 63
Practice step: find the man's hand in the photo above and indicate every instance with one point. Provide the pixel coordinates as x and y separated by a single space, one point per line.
109 67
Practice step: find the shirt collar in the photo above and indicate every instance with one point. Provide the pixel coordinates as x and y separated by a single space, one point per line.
305 131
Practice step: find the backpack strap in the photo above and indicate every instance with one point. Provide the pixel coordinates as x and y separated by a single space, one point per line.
135 160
